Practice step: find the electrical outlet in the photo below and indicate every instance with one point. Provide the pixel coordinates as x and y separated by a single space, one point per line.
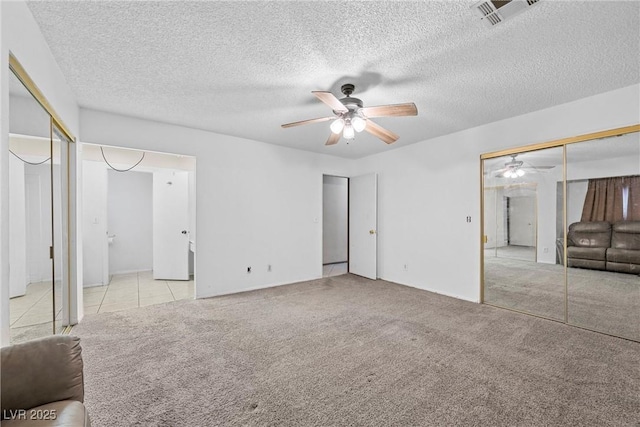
545 250
406 267
248 269
269 268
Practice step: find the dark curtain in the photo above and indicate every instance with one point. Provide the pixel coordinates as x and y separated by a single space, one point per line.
604 199
633 213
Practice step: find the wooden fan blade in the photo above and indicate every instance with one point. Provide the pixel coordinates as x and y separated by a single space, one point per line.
380 132
333 139
395 110
330 99
306 122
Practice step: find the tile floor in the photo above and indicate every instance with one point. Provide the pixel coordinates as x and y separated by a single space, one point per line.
31 314
134 290
329 270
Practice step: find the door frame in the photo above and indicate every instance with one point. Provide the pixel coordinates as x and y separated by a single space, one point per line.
151 169
322 216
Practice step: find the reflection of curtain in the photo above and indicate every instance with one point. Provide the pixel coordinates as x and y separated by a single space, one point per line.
633 210
606 199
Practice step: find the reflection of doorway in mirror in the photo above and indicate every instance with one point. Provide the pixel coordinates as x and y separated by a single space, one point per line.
521 218
511 222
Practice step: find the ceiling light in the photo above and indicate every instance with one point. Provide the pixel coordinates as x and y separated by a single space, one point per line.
358 123
348 132
513 173
337 125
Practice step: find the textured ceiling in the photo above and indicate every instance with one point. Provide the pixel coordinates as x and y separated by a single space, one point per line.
244 68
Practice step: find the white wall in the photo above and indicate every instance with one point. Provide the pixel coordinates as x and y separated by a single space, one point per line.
257 204
426 190
335 195
546 192
32 119
20 34
129 218
94 223
576 193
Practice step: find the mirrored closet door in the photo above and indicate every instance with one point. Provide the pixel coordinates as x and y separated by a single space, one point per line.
38 217
603 241
520 216
561 231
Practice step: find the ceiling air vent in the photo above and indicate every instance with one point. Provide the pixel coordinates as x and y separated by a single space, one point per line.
494 11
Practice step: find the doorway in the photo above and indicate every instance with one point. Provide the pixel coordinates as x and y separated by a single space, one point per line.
521 226
335 225
138 228
511 222
350 225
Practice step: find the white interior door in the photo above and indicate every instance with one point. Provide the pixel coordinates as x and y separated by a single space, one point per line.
363 218
522 221
170 225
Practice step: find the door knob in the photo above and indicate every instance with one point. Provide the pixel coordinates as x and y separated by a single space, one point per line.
372 231
184 231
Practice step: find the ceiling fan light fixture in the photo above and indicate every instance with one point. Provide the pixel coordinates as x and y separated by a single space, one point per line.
513 173
358 123
348 132
350 116
337 126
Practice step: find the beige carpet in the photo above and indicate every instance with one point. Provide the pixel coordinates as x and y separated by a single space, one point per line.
347 351
604 301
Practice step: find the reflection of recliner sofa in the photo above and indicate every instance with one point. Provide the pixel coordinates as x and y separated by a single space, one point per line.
587 244
602 246
624 253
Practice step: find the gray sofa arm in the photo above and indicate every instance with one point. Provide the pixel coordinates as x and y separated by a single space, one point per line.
42 371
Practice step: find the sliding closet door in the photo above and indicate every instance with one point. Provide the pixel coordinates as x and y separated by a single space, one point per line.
32 310
603 225
60 227
586 270
521 269
39 263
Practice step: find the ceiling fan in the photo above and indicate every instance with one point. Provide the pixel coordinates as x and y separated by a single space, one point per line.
350 116
516 169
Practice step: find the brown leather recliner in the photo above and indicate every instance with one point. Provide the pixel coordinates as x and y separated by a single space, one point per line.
42 383
624 254
587 244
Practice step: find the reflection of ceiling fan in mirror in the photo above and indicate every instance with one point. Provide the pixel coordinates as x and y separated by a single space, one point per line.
350 116
516 169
